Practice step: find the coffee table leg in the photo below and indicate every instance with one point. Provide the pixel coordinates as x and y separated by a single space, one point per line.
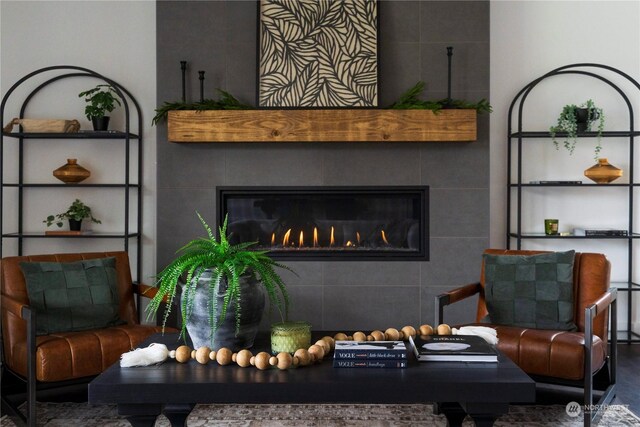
177 414
485 414
452 411
140 415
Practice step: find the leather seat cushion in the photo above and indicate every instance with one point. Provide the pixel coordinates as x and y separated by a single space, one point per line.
70 355
549 353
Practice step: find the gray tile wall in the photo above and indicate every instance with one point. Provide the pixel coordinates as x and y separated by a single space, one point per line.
220 38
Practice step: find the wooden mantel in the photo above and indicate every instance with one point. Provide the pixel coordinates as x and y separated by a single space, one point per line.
335 125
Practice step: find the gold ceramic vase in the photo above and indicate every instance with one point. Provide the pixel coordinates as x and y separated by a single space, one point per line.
72 172
603 172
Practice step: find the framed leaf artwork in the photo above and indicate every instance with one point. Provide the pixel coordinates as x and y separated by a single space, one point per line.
318 53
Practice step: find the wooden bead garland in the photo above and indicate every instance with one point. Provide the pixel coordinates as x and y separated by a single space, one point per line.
301 357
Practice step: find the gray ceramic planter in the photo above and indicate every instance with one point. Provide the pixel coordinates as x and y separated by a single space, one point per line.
252 302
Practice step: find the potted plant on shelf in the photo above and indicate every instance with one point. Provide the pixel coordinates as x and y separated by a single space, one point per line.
222 299
76 212
102 99
573 120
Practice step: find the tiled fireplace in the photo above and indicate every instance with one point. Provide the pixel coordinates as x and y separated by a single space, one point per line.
329 223
374 292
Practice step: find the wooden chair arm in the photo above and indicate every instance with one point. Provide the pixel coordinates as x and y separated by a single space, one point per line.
453 296
14 307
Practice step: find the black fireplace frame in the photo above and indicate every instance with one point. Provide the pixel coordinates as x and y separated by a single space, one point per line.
422 191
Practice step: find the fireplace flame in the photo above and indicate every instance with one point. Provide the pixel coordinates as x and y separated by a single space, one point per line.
289 240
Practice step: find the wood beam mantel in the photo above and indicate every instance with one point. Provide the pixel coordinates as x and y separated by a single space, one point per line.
326 125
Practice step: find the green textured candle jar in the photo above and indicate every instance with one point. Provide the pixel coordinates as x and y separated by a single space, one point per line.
290 336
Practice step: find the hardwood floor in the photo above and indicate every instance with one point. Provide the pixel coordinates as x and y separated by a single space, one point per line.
629 377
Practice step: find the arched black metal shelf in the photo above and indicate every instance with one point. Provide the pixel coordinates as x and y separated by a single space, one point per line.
83 134
46 185
72 236
518 137
546 134
44 77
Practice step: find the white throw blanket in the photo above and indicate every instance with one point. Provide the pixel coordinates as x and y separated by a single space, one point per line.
155 353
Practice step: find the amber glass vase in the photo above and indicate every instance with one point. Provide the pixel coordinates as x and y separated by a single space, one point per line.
603 172
71 172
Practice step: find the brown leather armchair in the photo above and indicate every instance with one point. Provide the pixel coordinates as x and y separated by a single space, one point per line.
579 358
67 357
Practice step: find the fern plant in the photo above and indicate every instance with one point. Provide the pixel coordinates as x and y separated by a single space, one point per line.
226 102
227 263
409 100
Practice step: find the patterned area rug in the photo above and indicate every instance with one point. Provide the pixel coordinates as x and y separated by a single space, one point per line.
81 414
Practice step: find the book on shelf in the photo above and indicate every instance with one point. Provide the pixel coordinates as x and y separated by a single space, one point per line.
556 182
453 348
599 232
357 350
369 363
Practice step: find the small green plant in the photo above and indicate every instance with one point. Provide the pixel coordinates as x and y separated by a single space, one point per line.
409 101
226 102
77 211
226 262
102 99
574 119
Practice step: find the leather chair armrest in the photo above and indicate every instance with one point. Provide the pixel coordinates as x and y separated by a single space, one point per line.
603 303
608 301
14 307
147 291
454 296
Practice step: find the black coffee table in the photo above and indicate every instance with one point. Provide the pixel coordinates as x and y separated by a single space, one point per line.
481 390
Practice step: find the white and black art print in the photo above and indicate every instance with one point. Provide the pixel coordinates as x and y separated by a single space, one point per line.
318 53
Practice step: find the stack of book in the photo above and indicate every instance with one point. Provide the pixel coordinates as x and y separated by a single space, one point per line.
600 232
370 354
453 348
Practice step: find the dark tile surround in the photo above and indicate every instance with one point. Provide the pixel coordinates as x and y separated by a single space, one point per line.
220 38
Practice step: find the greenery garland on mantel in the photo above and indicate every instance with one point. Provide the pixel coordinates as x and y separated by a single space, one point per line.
407 101
301 357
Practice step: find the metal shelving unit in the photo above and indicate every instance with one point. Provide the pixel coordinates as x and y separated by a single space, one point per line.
517 138
128 187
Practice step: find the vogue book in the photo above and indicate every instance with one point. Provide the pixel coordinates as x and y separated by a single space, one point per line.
453 348
369 363
351 350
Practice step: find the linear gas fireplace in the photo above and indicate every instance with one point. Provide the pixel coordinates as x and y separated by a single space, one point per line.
338 223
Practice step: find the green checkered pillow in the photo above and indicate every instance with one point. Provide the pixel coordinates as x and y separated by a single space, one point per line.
72 296
534 291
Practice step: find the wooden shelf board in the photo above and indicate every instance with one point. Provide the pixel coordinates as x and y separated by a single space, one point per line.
334 125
